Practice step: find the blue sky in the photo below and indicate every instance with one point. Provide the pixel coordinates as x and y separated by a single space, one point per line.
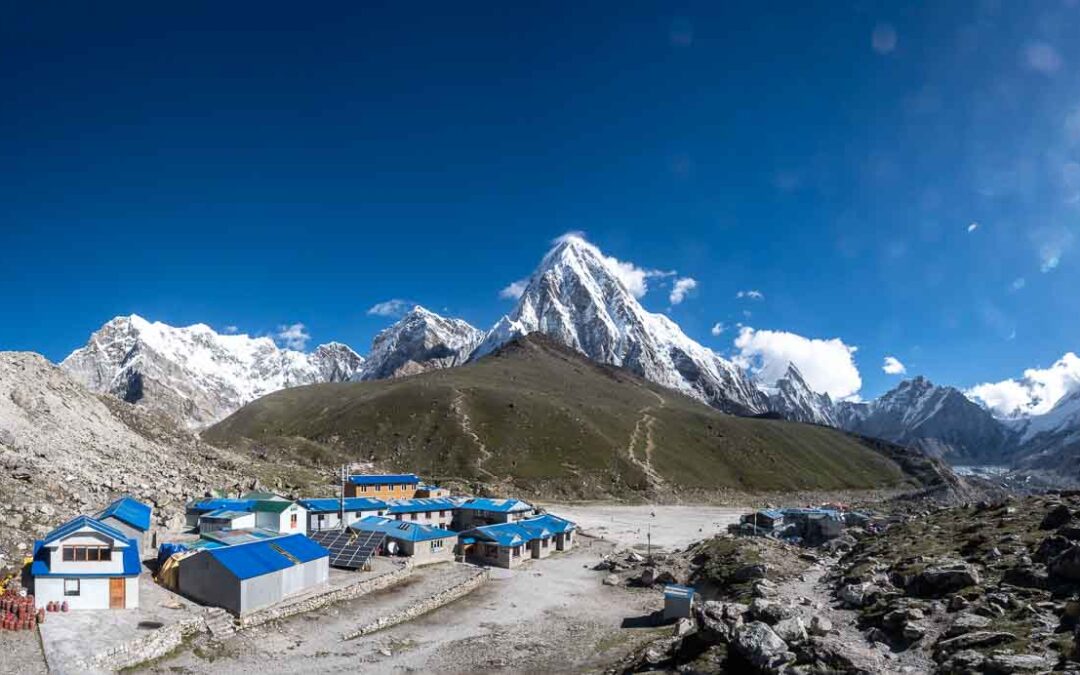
263 164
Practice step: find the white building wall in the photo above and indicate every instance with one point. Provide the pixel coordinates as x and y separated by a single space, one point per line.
240 522
58 565
93 593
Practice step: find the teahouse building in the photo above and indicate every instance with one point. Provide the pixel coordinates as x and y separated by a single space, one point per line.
88 564
424 543
437 511
480 511
510 544
325 514
382 486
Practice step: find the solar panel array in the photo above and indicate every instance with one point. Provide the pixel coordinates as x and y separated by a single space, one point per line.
347 549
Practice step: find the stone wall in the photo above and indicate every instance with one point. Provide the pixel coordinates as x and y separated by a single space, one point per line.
319 600
152 646
428 604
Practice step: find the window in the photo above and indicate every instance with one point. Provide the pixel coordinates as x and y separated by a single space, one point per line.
436 545
442 514
71 587
69 553
413 516
322 518
292 521
517 551
363 488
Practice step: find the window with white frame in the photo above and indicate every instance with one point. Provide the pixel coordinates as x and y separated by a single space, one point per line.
436 544
71 587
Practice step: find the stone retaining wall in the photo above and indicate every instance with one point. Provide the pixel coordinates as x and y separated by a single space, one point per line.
152 646
428 604
327 598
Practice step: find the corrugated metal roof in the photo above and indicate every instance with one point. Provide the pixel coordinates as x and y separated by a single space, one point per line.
225 514
551 522
130 511
495 505
401 529
511 534
79 522
331 505
240 536
421 505
250 560
271 506
301 548
384 478
215 504
677 591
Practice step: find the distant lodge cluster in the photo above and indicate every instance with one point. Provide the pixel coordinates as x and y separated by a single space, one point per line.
810 526
256 550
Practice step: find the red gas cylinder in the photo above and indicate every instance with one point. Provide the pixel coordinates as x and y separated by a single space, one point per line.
64 606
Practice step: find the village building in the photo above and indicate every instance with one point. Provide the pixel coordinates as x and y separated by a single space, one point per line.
382 486
256 509
427 490
88 564
246 577
425 544
280 515
480 511
226 519
434 511
325 514
130 517
511 543
196 509
764 519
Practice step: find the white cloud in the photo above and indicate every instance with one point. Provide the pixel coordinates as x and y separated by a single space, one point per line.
231 330
1018 283
1033 394
972 227
294 336
883 39
750 295
680 289
393 308
1042 57
515 290
633 277
718 328
892 366
1052 243
827 365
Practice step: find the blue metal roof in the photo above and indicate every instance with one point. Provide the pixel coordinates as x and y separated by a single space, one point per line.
401 529
677 591
511 534
79 522
127 510
257 558
551 523
384 479
331 505
132 564
216 504
244 535
300 547
495 505
422 504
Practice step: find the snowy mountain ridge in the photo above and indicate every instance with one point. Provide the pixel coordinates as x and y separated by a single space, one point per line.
194 373
578 298
420 341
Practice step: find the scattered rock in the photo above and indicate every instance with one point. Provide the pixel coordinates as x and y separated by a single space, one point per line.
770 612
749 572
820 625
1006 664
761 646
791 631
942 578
1056 517
983 638
683 627
966 623
612 580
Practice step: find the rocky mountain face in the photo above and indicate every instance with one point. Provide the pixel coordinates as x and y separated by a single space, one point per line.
194 373
794 400
939 420
419 342
65 450
576 296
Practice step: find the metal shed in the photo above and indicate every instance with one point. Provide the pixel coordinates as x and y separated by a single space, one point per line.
678 601
248 577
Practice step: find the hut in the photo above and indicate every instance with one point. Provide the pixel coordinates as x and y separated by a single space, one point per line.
425 544
678 602
131 517
88 564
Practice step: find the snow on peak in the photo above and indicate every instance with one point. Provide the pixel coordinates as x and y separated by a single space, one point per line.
194 373
588 301
421 340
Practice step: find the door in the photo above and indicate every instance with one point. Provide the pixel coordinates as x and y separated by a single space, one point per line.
116 594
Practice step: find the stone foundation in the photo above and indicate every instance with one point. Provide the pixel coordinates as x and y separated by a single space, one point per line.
431 603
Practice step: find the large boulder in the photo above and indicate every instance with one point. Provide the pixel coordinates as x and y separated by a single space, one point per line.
1051 547
749 572
770 612
1056 517
791 631
761 646
942 578
1007 664
1066 566
966 622
979 638
856 595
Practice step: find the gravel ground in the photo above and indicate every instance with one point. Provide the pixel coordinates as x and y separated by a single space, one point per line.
21 653
550 615
628 526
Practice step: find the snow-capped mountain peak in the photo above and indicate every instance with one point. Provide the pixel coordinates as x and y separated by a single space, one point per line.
793 398
421 340
194 373
581 298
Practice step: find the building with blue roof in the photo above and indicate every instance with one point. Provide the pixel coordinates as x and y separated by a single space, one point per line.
480 511
437 511
422 542
678 602
510 544
325 513
87 563
264 509
382 485
246 577
131 517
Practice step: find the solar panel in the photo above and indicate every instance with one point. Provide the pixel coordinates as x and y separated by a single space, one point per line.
348 550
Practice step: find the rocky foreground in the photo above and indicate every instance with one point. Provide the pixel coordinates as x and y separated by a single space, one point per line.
981 588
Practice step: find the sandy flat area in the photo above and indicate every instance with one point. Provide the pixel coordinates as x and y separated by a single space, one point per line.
628 526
